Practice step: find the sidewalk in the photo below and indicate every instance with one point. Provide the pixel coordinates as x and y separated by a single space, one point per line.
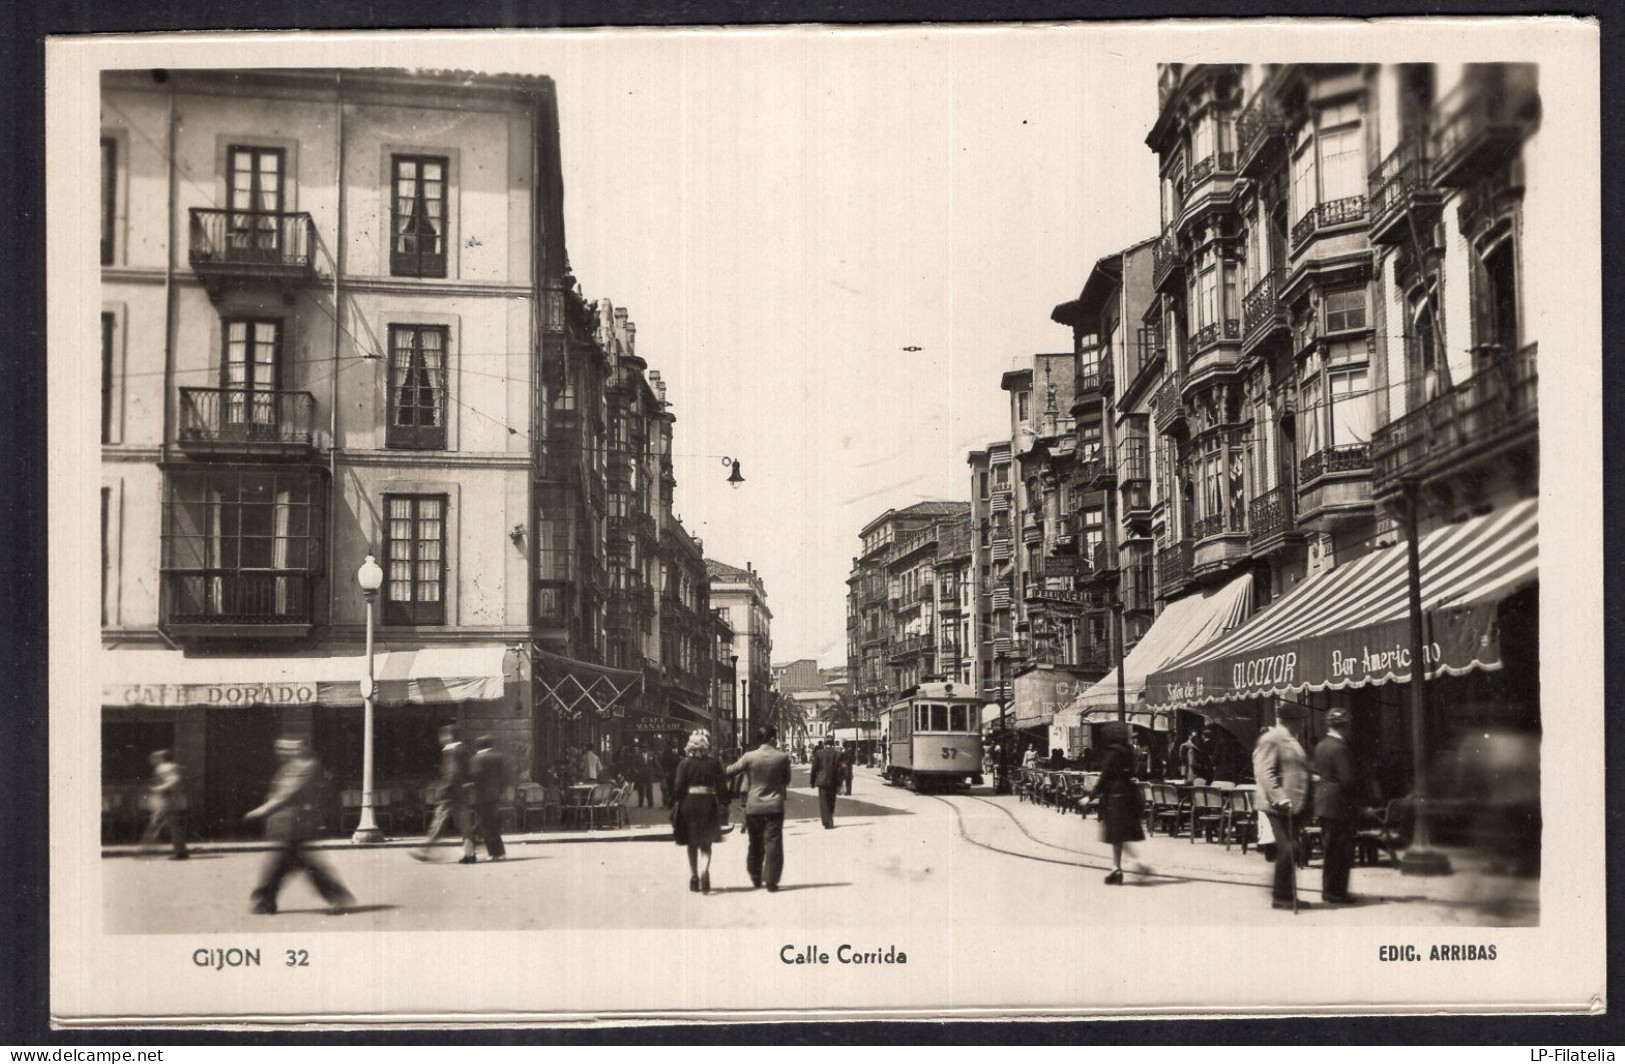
1472 883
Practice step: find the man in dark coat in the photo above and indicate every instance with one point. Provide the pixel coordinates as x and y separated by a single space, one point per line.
451 808
826 776
642 771
849 758
1336 803
292 813
490 772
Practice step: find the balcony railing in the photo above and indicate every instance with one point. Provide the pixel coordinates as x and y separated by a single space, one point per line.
1261 308
1499 402
1215 332
236 420
1098 468
222 598
1166 264
1259 125
1168 405
1217 524
1341 458
1399 184
1173 565
1481 120
1086 381
1220 164
1272 513
1335 212
266 244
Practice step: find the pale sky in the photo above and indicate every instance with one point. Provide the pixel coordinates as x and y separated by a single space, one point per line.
782 213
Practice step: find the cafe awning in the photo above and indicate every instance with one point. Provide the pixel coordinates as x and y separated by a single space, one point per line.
425 676
1351 627
1184 625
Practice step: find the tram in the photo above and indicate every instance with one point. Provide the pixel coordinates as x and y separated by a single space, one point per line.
934 737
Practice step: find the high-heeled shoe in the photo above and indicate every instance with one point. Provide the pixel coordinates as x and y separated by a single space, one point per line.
694 884
705 883
1116 878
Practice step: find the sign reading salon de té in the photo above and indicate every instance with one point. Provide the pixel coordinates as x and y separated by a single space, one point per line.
1460 640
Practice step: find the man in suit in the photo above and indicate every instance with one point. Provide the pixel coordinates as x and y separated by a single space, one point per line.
766 770
1336 803
490 771
642 772
1282 772
849 758
166 806
292 811
826 776
451 799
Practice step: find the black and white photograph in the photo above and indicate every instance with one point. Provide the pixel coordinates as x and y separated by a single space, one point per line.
993 521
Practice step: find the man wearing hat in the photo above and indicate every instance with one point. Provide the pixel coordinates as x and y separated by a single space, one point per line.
292 813
490 771
1282 772
1335 791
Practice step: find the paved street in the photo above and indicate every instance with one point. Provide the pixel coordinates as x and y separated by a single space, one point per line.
895 860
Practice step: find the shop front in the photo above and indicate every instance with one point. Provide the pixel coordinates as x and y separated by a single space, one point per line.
1342 640
221 717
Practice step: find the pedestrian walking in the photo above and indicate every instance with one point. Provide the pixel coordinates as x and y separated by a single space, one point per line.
643 775
1336 804
826 777
1119 795
292 812
699 800
166 806
451 799
490 771
849 757
1282 772
766 771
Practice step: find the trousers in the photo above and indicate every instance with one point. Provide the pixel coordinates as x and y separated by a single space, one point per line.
289 857
1339 841
645 790
826 805
1285 856
764 860
163 820
453 814
488 822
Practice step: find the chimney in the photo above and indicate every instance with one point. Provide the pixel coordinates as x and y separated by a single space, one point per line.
631 338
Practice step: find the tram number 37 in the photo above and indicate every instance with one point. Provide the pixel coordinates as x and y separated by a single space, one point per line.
950 752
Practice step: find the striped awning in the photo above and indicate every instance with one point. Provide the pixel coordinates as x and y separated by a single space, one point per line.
1351 627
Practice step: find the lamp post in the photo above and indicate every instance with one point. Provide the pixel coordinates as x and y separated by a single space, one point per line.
370 578
1421 859
733 702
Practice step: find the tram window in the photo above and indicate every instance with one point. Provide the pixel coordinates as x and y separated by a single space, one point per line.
956 719
919 718
939 718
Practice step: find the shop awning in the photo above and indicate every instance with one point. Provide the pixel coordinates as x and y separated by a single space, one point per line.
426 676
576 688
1184 625
1351 627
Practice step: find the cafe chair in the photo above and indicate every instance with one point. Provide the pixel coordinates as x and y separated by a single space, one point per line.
349 810
1147 801
508 811
1389 829
1240 821
1166 808
1206 812
601 803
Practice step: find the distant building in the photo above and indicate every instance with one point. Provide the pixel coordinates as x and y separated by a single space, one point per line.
740 597
799 675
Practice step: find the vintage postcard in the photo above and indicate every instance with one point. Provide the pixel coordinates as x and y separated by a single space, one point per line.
986 521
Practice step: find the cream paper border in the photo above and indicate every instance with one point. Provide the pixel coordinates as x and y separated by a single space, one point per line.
1035 971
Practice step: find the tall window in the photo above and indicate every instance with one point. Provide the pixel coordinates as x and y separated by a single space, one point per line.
254 198
1345 310
1348 383
1497 311
109 196
1313 409
1342 170
1021 406
418 216
248 372
107 496
240 543
107 378
415 551
417 387
1302 192
1426 377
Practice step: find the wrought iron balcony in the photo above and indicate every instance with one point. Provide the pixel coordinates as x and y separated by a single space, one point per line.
1220 164
1482 119
1272 513
1173 568
1215 332
237 603
237 422
1098 469
1259 131
1168 405
1402 194
1262 310
1338 459
1086 382
1167 266
251 246
1467 426
1337 212
1218 524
